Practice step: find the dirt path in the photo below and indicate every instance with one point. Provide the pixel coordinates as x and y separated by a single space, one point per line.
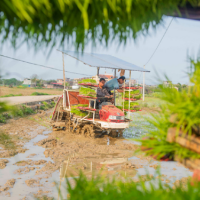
27 99
31 168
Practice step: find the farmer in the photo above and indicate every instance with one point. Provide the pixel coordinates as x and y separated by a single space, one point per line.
115 84
102 92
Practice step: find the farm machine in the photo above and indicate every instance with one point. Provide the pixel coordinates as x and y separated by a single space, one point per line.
76 111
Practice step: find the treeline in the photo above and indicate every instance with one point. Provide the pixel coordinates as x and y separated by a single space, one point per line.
11 81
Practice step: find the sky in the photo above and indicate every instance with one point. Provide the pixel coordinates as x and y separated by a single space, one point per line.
171 58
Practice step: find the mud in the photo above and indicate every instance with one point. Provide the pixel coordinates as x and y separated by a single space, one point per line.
10 183
3 163
32 183
44 157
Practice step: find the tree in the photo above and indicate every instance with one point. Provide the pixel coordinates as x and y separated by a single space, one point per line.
66 84
34 78
49 22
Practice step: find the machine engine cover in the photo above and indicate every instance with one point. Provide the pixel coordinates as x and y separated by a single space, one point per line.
111 110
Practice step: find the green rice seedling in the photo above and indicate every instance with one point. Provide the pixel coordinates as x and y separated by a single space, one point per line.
183 107
82 105
87 81
98 188
133 93
78 112
87 92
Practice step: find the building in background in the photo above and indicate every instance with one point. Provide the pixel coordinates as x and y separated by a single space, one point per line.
27 82
107 77
133 82
54 86
60 81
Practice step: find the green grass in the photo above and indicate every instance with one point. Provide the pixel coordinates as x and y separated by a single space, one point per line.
46 106
6 141
38 93
11 95
22 111
151 102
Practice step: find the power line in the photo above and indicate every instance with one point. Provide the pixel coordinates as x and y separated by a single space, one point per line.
159 42
42 65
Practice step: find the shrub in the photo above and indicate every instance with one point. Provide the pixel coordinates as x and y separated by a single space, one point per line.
11 95
38 93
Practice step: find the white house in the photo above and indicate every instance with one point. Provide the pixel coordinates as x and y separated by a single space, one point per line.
27 81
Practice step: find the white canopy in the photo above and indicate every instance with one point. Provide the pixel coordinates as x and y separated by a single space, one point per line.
103 61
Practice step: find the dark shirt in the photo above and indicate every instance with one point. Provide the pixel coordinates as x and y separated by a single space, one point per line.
102 92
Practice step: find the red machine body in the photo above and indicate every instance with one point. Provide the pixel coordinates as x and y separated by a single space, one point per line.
110 113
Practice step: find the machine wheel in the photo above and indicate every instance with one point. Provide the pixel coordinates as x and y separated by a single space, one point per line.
113 133
120 133
88 131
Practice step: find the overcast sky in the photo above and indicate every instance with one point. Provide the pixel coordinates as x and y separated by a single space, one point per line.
181 40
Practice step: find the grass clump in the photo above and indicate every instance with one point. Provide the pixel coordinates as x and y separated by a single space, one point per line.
87 92
46 106
182 111
87 81
6 141
38 94
21 111
11 95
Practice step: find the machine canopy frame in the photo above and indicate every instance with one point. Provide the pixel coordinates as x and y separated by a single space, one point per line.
103 61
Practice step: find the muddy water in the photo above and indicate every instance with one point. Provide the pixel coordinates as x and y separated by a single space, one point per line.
81 154
20 189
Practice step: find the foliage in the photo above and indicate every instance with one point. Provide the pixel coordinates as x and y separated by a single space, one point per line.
87 92
46 106
51 81
87 81
182 110
22 110
4 117
11 81
11 95
38 93
4 107
45 22
66 84
99 188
